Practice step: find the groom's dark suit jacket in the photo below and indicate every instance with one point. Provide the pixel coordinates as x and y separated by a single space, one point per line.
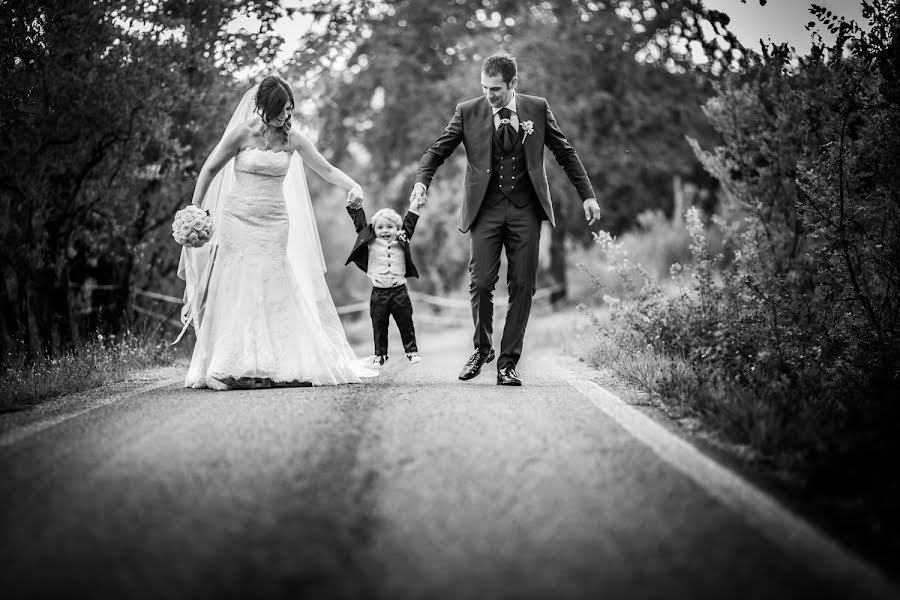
365 234
473 125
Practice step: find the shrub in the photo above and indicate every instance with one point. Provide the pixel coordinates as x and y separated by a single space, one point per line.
794 343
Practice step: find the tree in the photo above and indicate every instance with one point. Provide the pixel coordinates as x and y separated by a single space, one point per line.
106 111
809 309
626 81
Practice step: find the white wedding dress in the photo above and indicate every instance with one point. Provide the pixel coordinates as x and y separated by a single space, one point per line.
264 317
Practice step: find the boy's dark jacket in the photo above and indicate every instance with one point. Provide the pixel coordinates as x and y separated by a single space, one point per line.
360 252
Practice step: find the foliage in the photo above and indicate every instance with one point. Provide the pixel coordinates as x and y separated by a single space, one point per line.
618 76
795 340
106 109
100 360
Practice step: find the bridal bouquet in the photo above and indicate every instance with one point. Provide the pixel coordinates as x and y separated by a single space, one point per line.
192 226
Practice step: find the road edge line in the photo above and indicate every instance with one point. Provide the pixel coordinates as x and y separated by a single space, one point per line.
792 533
26 431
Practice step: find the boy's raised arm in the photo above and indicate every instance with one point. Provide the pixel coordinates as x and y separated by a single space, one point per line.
359 217
412 215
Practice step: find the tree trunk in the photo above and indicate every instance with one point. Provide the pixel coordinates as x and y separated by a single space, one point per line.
11 316
6 336
558 259
123 291
35 340
678 201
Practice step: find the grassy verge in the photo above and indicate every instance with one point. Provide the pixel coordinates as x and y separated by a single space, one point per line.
844 485
97 362
812 440
671 384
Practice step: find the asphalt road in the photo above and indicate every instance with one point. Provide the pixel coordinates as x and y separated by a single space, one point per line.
414 485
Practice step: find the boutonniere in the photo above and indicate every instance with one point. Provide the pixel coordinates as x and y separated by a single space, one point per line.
528 127
401 237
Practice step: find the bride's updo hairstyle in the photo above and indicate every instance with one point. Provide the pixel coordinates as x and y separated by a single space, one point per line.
271 97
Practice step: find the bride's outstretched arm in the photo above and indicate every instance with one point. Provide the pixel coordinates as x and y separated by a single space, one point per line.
218 159
325 169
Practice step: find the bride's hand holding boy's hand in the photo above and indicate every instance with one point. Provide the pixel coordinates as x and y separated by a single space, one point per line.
355 197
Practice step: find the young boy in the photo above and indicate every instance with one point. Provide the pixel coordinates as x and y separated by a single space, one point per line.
382 251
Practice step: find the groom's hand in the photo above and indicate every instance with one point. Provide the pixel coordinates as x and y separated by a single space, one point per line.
417 202
418 194
591 211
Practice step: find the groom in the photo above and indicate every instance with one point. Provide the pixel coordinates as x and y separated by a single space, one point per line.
506 198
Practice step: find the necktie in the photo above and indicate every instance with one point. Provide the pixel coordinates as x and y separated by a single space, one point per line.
506 131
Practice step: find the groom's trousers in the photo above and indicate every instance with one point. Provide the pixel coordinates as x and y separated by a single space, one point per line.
517 230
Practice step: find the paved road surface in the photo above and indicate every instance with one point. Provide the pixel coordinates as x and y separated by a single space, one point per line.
414 485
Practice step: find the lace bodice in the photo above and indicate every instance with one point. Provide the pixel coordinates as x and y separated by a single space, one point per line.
259 172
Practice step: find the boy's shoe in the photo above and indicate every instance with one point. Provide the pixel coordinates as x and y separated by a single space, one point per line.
413 357
378 360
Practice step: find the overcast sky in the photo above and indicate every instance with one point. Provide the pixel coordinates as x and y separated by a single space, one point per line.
780 20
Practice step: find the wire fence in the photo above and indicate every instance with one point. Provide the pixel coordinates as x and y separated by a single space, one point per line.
439 310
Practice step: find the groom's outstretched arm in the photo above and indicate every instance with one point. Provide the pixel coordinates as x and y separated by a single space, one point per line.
441 149
566 156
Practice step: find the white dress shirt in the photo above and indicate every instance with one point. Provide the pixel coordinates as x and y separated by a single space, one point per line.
514 117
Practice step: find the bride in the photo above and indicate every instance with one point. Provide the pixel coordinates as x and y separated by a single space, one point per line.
256 293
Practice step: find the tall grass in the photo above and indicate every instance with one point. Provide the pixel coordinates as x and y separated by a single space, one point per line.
100 360
654 246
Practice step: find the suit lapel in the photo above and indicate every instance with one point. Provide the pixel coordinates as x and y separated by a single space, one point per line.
487 122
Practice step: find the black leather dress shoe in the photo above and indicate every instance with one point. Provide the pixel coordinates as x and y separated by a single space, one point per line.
474 364
508 376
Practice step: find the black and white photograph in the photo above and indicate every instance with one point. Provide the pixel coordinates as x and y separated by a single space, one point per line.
450 299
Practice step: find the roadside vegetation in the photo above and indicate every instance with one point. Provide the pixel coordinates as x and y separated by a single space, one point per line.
781 329
101 360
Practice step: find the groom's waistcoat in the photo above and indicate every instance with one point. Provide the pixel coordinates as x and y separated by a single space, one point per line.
509 174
